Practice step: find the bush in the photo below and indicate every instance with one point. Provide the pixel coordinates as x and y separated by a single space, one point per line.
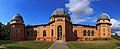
102 39
116 37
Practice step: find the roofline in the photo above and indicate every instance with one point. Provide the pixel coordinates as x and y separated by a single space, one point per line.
40 25
84 25
46 24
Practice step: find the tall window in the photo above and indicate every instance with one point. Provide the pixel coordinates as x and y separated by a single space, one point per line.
88 32
27 33
35 33
75 33
103 29
108 34
103 20
32 33
16 30
98 30
52 32
99 34
44 33
103 34
92 33
84 33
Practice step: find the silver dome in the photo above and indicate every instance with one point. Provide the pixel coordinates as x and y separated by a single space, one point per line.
17 16
59 11
104 16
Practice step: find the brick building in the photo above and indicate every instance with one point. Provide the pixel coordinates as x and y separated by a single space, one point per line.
60 27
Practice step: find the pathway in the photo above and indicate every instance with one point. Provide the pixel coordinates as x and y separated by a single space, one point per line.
59 45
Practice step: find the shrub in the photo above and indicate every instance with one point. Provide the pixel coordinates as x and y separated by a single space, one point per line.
116 37
102 39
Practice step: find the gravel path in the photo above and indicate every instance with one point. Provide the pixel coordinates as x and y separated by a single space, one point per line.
59 45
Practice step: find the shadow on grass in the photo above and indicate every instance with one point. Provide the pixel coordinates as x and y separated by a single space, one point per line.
118 43
6 42
16 47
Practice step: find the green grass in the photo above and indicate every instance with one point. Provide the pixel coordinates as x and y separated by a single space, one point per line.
99 44
27 45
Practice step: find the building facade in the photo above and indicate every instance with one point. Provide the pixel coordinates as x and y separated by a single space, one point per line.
60 27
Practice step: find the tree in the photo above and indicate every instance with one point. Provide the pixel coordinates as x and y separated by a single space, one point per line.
116 34
5 32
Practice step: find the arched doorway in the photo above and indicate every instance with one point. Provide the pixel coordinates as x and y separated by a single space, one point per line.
59 33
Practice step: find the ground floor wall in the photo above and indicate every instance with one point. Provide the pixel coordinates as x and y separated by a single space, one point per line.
50 33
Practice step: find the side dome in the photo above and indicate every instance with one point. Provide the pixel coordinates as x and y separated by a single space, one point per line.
104 16
0 23
59 12
17 17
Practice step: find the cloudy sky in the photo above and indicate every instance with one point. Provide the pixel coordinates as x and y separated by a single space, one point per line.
81 11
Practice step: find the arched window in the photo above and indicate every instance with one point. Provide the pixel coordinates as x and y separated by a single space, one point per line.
84 33
52 32
27 33
44 33
75 33
88 32
92 33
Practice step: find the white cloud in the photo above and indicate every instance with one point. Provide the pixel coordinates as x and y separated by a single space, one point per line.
79 20
79 9
115 26
115 23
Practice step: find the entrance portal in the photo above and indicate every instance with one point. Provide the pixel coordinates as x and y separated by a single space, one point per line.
59 33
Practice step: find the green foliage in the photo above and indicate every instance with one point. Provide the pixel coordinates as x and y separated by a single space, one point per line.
28 45
116 37
4 32
102 39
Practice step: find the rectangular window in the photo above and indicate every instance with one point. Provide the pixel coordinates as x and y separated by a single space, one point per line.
59 19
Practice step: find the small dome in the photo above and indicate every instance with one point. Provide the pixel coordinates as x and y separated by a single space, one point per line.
17 16
104 16
59 11
0 23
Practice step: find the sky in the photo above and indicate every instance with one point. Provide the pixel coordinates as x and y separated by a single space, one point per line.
81 11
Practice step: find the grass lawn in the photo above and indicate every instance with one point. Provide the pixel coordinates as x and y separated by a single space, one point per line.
99 44
27 44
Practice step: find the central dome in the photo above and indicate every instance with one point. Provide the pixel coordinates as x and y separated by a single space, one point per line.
17 16
59 12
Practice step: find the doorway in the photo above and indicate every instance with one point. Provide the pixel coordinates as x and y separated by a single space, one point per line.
59 33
